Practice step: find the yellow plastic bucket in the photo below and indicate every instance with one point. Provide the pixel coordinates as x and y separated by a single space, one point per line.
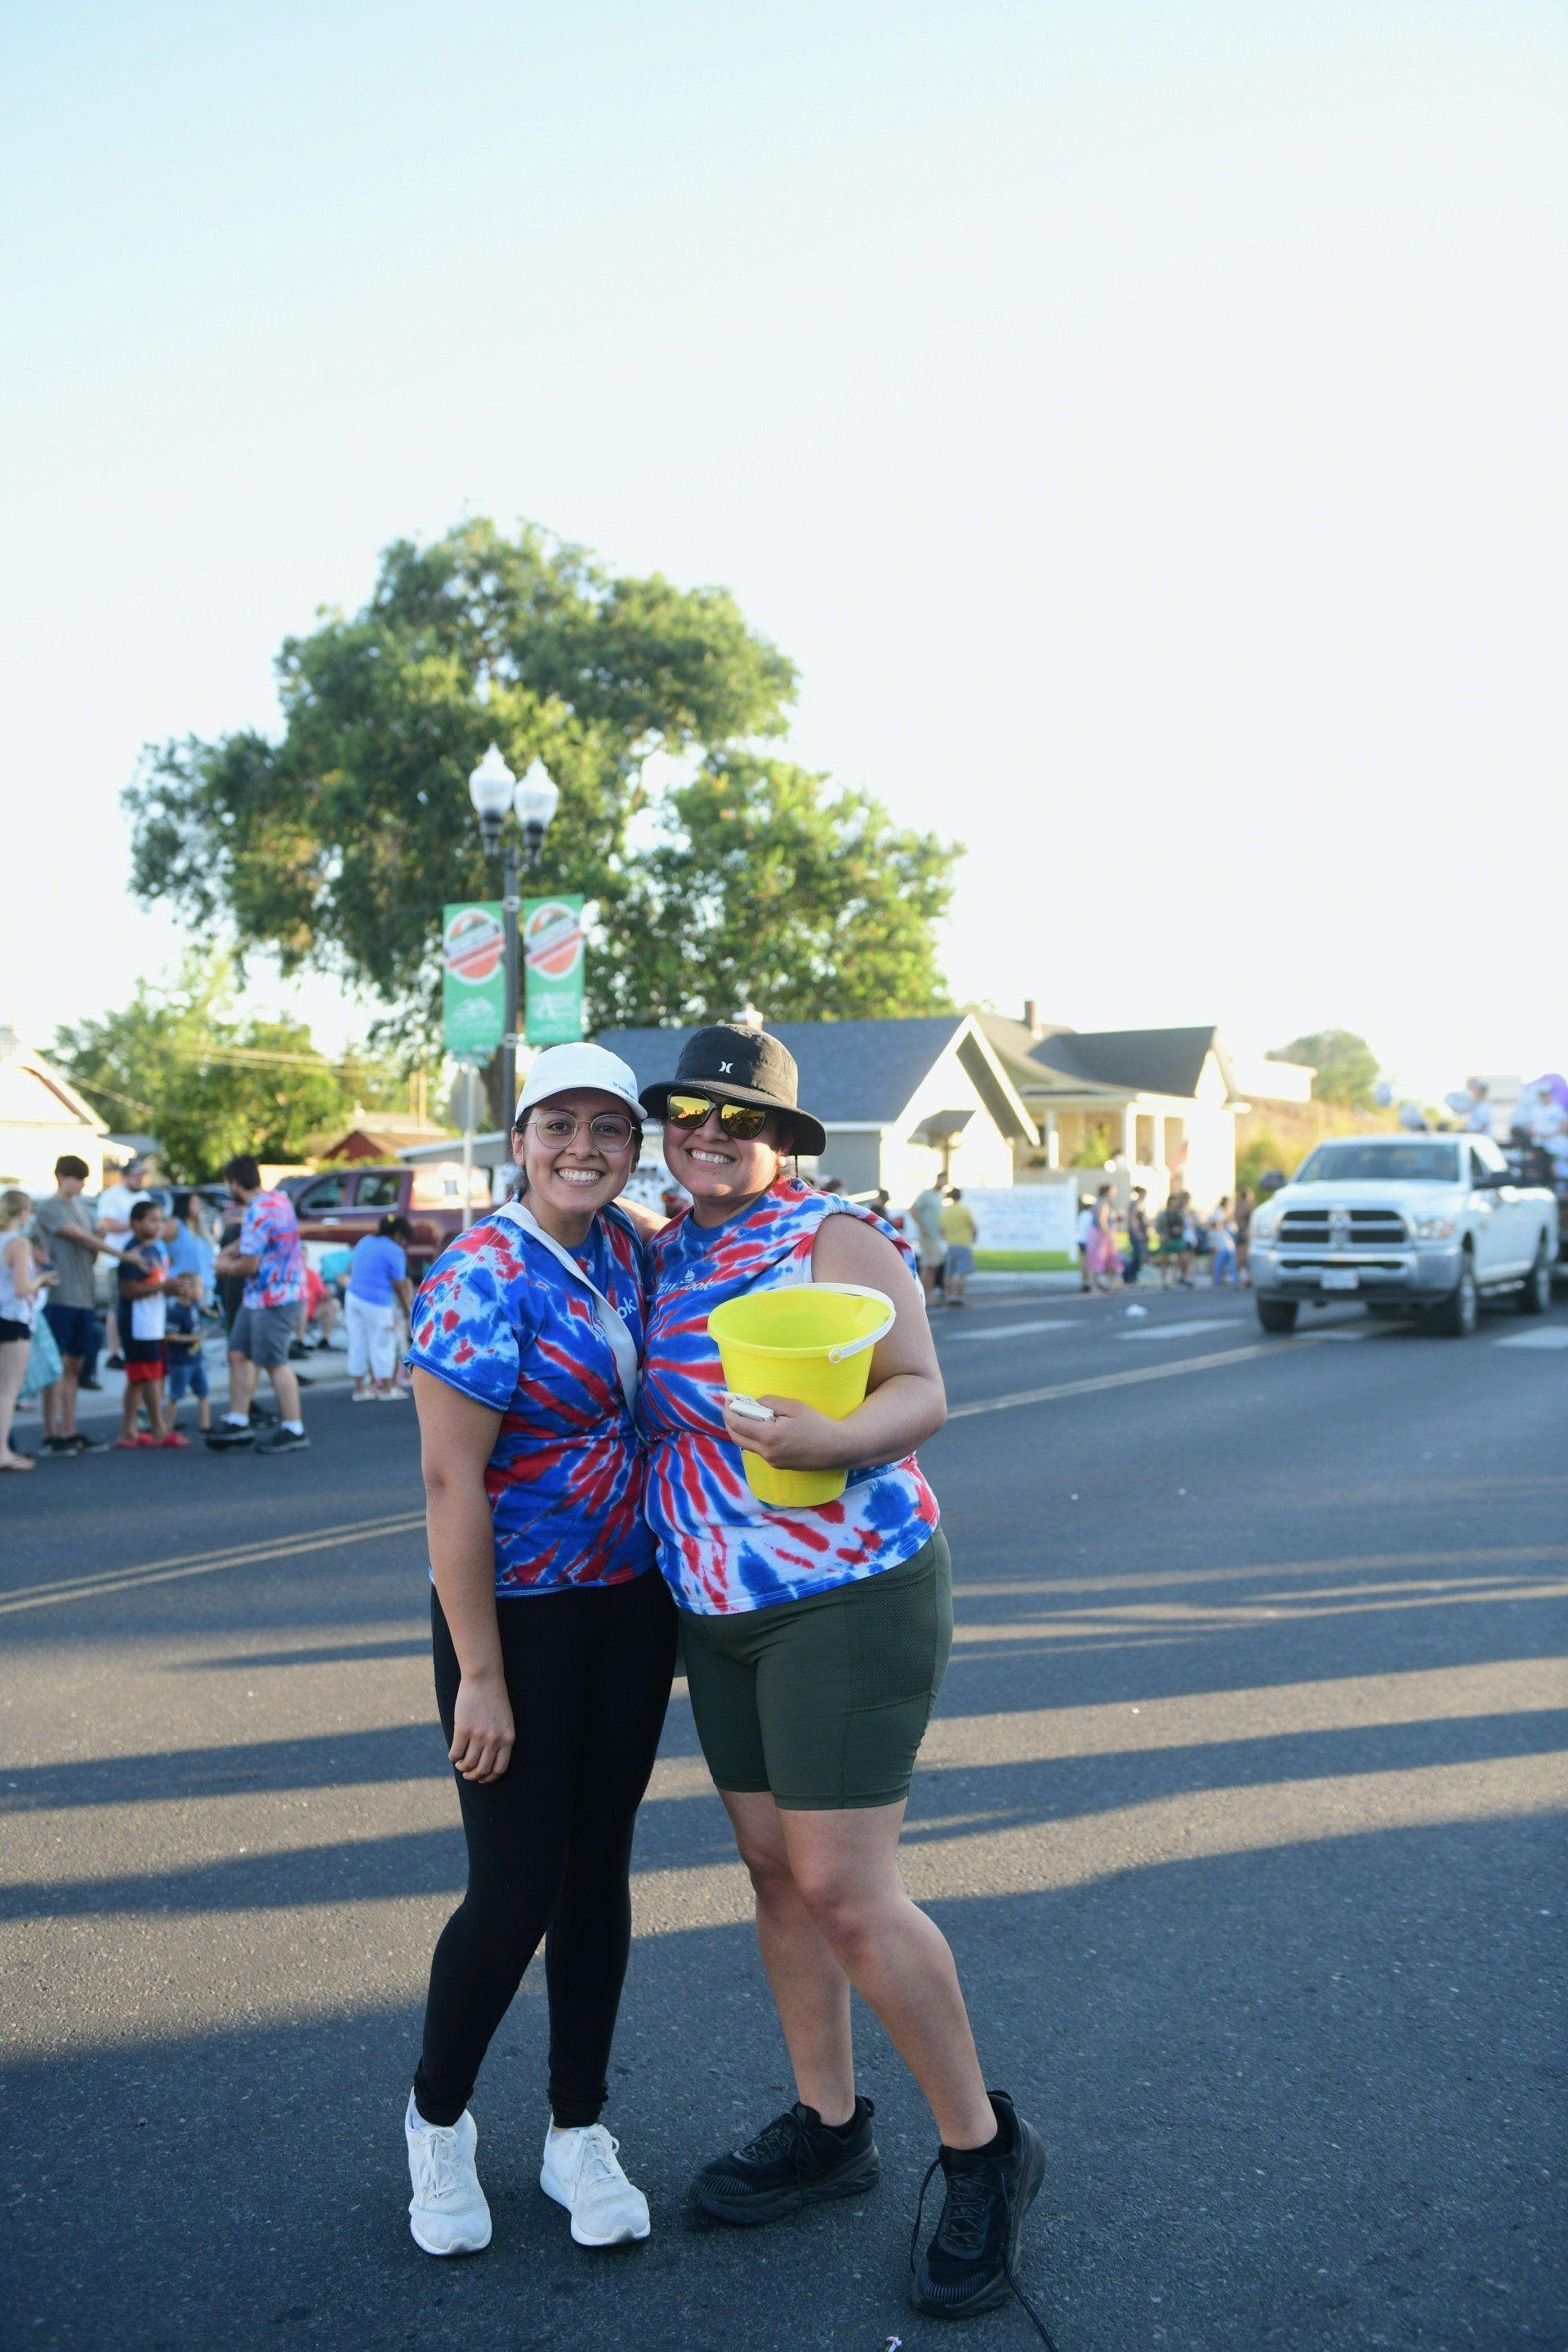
811 1340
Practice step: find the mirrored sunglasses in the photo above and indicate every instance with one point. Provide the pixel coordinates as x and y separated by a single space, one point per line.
741 1120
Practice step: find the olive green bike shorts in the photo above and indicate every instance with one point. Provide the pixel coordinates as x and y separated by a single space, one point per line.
822 1702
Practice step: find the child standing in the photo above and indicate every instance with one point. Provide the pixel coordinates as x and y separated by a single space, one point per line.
143 1311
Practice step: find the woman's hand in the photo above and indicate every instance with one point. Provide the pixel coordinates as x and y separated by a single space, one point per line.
797 1438
482 1731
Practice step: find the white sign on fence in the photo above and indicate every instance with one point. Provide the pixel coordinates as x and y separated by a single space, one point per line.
1024 1216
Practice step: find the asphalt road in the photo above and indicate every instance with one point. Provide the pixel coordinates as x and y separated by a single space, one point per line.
1243 1810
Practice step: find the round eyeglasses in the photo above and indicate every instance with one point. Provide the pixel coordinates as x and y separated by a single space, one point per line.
609 1129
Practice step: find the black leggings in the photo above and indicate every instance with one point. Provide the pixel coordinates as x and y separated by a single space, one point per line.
588 1673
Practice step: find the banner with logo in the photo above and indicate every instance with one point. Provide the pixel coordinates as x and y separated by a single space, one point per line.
473 979
553 960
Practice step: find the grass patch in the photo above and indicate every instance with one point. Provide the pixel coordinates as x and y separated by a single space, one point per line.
1024 1261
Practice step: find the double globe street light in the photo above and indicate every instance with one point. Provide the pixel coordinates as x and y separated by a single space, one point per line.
534 799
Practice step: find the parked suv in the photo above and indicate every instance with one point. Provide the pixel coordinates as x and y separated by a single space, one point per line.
1434 1222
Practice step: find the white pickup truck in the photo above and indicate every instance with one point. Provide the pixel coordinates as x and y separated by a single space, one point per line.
1434 1222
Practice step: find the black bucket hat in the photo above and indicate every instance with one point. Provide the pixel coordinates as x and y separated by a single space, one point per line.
743 1066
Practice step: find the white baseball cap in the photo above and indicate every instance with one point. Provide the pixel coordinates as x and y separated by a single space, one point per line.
560 1068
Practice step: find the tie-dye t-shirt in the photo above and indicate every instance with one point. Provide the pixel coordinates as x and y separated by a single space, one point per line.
501 1319
721 1549
269 1230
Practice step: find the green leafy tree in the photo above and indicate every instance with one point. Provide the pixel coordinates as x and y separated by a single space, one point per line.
765 886
179 1063
1345 1064
336 845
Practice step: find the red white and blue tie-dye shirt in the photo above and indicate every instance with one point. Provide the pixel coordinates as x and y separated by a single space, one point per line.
501 1319
720 1548
269 1231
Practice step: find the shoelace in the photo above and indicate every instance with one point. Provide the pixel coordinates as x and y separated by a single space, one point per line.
438 2165
597 2163
785 2136
966 2201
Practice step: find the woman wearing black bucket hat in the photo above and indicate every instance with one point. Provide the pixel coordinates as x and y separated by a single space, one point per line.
815 1639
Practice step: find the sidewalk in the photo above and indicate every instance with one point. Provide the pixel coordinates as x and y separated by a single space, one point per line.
324 1368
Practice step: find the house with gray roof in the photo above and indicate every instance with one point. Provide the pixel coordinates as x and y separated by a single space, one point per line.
1163 1103
902 1100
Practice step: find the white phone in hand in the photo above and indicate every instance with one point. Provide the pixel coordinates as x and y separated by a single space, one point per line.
747 1406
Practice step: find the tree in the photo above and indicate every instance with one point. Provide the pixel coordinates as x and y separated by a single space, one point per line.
337 845
765 885
1345 1064
177 1064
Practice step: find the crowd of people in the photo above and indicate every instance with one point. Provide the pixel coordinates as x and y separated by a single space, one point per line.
185 1270
1175 1240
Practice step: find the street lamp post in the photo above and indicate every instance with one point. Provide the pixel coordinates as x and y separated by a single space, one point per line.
492 788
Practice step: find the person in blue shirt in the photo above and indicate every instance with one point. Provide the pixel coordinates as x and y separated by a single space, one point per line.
378 1288
192 1262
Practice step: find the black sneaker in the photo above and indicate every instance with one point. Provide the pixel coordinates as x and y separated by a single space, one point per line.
968 2267
92 1387
82 1443
263 1417
283 1441
58 1445
228 1434
795 2161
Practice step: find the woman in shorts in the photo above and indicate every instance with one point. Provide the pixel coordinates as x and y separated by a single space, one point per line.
378 1289
22 1287
554 1639
815 1642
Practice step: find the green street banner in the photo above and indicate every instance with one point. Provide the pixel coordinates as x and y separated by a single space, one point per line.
553 955
473 979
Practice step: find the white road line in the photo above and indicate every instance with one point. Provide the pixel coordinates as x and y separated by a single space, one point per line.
166 1571
1556 1335
1144 1372
1016 1330
1178 1331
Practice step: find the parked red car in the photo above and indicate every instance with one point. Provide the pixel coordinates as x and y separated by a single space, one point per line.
338 1205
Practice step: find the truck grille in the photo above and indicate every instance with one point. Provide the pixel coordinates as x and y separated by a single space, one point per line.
1356 1229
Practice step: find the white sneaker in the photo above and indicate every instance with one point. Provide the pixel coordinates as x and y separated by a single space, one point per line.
582 2171
448 2213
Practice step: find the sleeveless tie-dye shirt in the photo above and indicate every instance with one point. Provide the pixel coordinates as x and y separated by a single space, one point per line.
720 1548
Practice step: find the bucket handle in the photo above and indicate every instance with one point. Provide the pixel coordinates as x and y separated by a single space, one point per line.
870 1339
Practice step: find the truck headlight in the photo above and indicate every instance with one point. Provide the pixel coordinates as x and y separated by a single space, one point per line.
1265 1226
1434 1229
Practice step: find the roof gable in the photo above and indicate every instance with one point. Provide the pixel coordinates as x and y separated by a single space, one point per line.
1145 1061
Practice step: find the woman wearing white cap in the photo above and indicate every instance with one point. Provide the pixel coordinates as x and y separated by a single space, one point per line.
554 1637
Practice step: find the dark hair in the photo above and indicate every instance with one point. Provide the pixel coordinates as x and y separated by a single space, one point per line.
145 1209
396 1228
243 1170
68 1164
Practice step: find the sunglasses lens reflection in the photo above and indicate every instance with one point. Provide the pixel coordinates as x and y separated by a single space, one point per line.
741 1120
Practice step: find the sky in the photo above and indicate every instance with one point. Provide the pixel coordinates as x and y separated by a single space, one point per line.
1143 424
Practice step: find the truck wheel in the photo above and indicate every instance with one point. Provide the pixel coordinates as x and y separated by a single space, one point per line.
1536 1296
1277 1314
1459 1312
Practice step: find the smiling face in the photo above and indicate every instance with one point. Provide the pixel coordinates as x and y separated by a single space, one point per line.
724 1173
571 1180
